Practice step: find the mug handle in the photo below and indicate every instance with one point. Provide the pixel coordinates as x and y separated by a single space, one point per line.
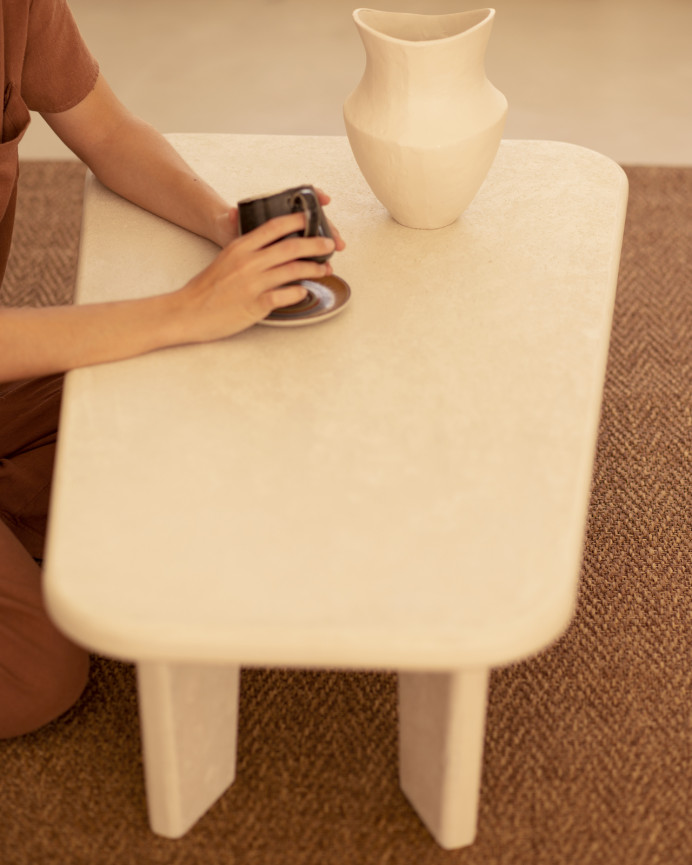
311 208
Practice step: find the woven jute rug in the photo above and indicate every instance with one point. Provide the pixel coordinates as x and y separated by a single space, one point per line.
588 756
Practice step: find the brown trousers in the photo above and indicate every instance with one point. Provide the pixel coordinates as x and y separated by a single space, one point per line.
42 673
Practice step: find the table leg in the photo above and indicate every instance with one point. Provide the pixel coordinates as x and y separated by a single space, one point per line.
441 732
189 720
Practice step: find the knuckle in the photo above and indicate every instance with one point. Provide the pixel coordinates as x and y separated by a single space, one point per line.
295 270
266 302
288 248
283 225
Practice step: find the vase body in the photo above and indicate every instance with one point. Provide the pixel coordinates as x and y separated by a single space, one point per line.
424 122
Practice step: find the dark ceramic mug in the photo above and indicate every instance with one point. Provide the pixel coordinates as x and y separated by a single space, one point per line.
253 212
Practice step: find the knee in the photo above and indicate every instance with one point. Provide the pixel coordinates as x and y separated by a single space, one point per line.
49 680
42 673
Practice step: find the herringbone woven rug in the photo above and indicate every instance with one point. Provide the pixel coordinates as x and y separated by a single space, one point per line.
588 757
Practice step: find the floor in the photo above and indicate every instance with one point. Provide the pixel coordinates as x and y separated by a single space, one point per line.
613 75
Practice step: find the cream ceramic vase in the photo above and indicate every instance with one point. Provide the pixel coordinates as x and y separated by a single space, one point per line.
424 123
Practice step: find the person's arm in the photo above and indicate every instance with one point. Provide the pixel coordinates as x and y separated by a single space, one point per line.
133 159
245 282
248 279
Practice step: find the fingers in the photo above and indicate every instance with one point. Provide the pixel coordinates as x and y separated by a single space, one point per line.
322 196
293 272
324 200
274 229
280 226
285 296
263 268
297 248
274 247
269 259
339 243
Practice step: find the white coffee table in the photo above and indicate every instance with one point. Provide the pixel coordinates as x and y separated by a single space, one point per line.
402 487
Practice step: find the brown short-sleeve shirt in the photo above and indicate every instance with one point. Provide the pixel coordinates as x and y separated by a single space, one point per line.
45 67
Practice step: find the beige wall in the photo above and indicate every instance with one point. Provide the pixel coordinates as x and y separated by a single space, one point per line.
614 75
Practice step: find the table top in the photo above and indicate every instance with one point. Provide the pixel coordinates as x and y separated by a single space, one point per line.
402 486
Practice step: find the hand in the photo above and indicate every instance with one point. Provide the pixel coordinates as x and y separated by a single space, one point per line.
250 278
227 225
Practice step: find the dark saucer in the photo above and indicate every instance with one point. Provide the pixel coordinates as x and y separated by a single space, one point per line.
325 298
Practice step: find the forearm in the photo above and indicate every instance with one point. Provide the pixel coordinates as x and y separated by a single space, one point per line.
38 342
257 273
139 164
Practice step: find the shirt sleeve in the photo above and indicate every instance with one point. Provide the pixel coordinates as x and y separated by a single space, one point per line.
59 70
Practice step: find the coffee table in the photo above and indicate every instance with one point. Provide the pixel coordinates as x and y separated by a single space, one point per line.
403 487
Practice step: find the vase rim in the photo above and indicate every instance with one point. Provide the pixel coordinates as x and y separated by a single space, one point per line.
481 16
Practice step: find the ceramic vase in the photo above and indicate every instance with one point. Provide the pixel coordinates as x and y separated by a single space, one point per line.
424 122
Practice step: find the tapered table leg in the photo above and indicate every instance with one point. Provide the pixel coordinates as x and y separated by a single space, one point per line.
189 720
441 732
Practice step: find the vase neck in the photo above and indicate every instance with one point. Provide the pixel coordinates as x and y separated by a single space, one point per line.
425 49
415 29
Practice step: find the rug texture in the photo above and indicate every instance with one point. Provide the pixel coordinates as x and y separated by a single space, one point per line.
588 755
